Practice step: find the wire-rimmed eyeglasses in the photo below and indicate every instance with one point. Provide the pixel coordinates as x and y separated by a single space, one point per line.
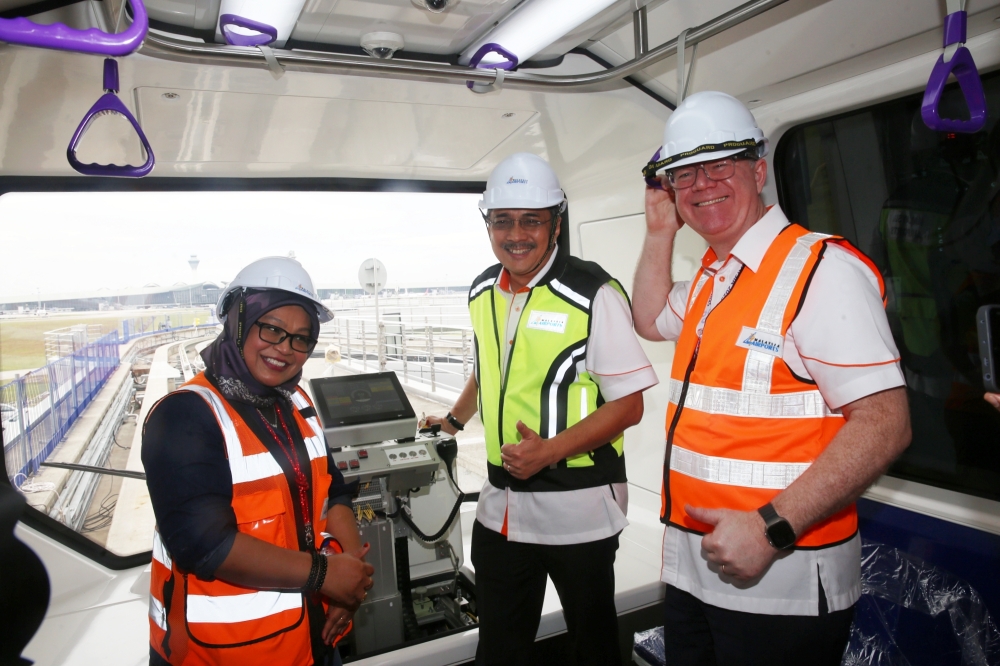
506 223
684 177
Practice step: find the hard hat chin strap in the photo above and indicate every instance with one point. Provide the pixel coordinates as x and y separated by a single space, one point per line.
649 171
240 322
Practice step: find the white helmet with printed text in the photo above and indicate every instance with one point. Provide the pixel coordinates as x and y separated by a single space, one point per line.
707 126
282 273
523 180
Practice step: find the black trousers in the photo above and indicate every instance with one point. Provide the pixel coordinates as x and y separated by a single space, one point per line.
699 634
510 587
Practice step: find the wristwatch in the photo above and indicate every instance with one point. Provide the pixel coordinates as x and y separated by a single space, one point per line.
778 531
455 423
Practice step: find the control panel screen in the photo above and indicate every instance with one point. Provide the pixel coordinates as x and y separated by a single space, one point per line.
357 399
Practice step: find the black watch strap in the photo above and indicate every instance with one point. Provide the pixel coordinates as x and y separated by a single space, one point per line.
768 513
455 423
778 531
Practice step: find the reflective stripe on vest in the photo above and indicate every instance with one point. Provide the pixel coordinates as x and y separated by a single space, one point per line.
576 355
157 613
732 472
240 607
744 426
244 468
316 445
757 370
160 568
160 553
798 405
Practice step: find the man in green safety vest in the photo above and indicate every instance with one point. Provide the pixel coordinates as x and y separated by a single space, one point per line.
559 377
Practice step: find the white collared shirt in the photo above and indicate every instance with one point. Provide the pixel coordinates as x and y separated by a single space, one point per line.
619 366
841 340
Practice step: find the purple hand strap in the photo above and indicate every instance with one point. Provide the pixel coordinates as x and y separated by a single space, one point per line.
63 38
655 182
964 69
268 33
109 103
492 48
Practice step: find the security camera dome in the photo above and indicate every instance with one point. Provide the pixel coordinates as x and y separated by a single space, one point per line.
381 45
435 6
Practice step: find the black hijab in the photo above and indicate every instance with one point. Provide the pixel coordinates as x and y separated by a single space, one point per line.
224 357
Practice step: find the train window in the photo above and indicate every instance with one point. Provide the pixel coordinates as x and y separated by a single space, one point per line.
106 299
924 206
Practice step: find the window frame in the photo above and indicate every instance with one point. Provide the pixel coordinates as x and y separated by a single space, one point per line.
784 194
50 527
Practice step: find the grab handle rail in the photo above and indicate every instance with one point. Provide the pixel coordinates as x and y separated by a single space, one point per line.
109 103
267 33
92 40
957 61
476 60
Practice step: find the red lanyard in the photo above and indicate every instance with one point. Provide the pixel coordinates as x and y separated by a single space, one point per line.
300 477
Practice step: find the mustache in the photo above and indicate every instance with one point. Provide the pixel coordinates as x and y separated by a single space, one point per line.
510 247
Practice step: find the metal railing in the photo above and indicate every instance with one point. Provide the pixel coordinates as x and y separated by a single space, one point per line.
137 327
156 338
39 407
63 342
158 45
437 310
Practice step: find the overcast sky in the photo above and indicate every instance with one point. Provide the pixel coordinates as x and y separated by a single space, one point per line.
85 241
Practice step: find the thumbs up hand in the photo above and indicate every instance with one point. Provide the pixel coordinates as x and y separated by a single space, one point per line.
527 457
737 546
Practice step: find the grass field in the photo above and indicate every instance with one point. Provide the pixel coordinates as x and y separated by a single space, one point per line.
22 340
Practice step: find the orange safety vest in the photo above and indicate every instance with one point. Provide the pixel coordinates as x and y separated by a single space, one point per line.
741 426
194 621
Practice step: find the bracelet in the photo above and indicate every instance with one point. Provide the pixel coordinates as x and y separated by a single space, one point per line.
455 423
321 578
317 574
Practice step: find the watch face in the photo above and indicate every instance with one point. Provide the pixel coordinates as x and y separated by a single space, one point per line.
781 535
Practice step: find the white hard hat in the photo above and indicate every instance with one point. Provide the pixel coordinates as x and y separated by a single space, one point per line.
522 180
280 273
707 126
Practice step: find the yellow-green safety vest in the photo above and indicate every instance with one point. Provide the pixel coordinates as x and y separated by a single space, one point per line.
546 384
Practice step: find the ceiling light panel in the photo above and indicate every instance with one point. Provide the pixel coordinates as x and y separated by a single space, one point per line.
343 22
194 14
281 14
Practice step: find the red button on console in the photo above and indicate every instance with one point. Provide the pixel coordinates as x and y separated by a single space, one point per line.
363 453
355 464
342 464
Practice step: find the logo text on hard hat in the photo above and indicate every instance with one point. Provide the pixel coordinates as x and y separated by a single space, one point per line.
768 343
517 181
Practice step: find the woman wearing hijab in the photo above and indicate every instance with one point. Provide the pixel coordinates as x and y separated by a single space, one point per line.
246 494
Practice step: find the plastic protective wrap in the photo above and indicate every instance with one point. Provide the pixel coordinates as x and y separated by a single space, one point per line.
910 614
894 585
648 646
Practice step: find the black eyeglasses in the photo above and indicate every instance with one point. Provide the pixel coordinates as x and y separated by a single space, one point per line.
275 336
